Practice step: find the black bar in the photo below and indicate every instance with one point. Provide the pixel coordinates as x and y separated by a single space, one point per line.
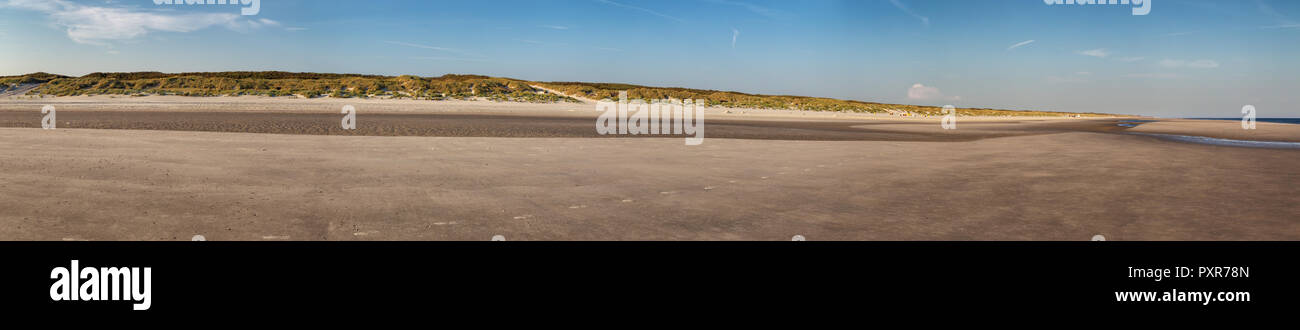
192 279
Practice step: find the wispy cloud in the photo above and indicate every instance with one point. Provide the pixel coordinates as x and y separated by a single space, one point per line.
450 50
648 11
1285 21
1098 53
1282 26
556 27
442 58
756 9
460 55
924 20
541 43
1196 64
1020 44
1152 75
95 25
1104 53
735 34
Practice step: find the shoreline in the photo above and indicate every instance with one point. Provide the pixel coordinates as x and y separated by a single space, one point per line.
326 104
169 113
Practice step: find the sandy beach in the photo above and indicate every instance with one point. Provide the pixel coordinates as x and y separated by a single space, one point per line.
158 168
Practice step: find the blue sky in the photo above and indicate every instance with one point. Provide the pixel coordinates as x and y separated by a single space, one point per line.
1194 58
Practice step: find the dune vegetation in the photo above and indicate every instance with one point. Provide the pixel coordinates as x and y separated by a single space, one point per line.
446 87
306 85
600 91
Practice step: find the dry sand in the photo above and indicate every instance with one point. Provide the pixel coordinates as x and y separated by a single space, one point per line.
876 180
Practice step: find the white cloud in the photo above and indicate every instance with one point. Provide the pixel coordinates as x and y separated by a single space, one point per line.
1098 53
460 55
923 92
1282 26
444 58
1152 75
100 25
924 20
1020 44
1197 64
756 9
407 44
648 11
734 35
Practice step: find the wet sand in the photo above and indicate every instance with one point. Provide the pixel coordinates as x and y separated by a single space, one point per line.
533 125
161 175
1223 129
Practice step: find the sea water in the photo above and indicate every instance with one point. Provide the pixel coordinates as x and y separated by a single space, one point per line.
1225 142
1219 141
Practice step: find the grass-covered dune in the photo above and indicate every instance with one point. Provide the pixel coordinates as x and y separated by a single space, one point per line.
274 83
598 91
31 78
311 85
